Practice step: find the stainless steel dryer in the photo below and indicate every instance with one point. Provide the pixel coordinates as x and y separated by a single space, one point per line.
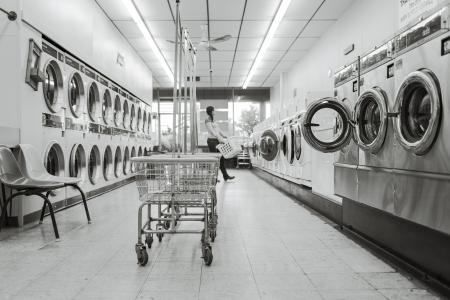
374 128
328 127
269 145
422 128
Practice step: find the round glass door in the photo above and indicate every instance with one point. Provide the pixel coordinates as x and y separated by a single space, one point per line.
118 162
285 143
54 160
117 111
52 85
106 107
94 164
269 145
298 142
76 91
77 163
132 117
418 104
326 125
292 145
107 163
126 114
93 101
372 119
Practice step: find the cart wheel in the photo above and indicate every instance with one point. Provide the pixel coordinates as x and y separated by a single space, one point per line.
149 240
167 225
142 255
212 235
207 255
203 237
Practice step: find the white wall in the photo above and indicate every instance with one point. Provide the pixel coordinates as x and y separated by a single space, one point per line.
82 28
366 24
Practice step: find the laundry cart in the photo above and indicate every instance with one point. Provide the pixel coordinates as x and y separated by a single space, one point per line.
180 188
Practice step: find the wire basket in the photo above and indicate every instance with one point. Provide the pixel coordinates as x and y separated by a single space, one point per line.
231 148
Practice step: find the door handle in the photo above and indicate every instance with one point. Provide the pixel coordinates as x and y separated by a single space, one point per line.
393 114
311 125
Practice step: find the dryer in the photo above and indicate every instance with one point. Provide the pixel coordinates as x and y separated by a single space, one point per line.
374 131
285 144
269 147
422 127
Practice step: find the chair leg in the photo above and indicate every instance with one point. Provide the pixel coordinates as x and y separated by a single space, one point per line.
52 214
43 212
83 197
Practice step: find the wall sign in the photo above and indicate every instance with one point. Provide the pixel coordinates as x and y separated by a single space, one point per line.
410 10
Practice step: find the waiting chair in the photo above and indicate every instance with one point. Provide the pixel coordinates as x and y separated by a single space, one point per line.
12 177
32 166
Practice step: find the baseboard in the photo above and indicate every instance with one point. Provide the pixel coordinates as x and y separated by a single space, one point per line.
330 209
69 202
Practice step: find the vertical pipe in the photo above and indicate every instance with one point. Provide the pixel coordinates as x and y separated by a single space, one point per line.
174 96
232 97
159 118
180 80
186 52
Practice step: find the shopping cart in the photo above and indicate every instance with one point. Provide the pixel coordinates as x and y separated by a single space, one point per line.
231 148
181 188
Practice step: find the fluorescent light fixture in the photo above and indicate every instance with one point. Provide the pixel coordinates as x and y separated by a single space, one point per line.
282 8
137 17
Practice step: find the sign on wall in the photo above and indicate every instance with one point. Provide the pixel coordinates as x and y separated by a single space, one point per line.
411 10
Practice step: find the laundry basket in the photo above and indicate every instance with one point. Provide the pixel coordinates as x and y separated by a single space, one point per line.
231 148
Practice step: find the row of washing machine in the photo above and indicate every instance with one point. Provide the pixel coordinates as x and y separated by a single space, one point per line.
388 124
280 148
83 124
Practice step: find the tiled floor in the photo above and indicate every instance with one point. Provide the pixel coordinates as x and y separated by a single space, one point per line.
268 247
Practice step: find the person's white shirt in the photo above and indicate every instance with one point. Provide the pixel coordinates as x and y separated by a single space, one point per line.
214 131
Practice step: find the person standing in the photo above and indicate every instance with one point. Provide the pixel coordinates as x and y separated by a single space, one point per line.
216 136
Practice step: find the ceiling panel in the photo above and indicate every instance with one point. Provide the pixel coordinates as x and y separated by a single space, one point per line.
317 28
139 44
242 65
221 28
273 55
222 55
241 72
162 29
332 9
245 55
289 28
115 10
254 28
246 44
280 44
128 28
261 9
226 10
302 9
191 10
304 43
294 55
221 65
153 10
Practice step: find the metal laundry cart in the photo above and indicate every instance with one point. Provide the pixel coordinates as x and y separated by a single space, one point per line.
180 188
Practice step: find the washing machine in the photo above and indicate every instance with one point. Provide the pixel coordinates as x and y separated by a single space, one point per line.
301 152
126 114
374 131
269 147
118 162
328 127
285 145
422 127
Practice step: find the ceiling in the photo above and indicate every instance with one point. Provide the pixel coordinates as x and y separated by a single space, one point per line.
247 21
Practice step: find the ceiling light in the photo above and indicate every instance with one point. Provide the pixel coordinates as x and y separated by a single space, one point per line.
281 11
137 17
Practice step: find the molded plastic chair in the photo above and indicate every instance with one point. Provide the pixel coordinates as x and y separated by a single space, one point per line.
33 167
11 176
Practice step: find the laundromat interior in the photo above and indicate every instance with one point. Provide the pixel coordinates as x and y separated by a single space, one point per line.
212 149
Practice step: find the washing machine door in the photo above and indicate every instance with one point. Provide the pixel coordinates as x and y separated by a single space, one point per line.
292 144
297 141
327 125
418 104
371 116
269 145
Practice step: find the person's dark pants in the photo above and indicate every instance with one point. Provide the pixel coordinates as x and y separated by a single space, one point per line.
212 143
